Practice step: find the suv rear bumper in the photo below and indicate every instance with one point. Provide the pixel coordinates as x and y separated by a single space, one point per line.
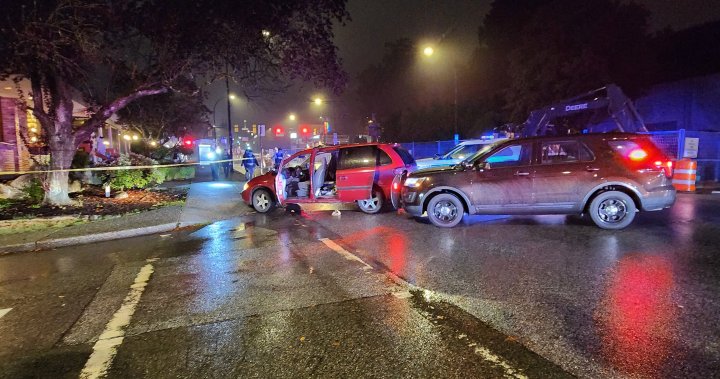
659 198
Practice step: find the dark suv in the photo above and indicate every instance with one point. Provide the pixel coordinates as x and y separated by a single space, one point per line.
608 176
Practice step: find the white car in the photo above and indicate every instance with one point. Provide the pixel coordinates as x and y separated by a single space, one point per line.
456 154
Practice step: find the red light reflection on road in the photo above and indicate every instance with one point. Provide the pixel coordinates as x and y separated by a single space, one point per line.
393 241
637 316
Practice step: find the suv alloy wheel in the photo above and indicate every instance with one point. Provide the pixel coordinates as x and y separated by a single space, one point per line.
445 210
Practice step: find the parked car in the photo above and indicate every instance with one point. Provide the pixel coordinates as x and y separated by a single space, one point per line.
456 155
361 173
607 176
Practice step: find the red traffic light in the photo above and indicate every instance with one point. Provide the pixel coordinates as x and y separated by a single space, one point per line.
279 131
188 142
304 130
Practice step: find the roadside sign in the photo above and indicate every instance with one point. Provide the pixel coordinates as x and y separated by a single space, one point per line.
261 130
335 139
692 145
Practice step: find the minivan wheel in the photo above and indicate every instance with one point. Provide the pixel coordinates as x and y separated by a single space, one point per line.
612 210
372 205
445 210
263 201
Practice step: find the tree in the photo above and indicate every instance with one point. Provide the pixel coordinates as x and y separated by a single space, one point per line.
113 52
569 47
166 115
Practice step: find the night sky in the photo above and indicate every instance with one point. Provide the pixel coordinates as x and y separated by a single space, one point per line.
375 22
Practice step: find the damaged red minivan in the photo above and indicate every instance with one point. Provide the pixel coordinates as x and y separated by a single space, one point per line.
361 173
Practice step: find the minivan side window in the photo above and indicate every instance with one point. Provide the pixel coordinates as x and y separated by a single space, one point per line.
383 157
564 152
510 156
357 157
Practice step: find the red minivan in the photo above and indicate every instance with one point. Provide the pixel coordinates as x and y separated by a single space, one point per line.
361 173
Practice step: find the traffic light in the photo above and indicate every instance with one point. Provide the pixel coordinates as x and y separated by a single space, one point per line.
279 131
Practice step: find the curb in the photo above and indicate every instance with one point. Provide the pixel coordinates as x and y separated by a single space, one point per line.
81 240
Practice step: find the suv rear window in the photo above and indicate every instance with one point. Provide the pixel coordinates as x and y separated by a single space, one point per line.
404 155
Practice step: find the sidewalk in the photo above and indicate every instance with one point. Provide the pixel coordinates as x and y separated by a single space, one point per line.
207 201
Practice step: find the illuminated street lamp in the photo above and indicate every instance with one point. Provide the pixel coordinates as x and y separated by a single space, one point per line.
318 101
292 117
135 137
428 51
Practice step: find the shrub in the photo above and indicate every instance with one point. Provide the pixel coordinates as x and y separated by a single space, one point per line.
34 191
178 173
80 160
132 178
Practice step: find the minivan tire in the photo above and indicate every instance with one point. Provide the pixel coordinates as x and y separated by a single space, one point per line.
263 201
445 210
612 210
374 204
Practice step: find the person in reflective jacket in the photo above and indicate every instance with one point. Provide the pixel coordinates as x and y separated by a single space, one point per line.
249 162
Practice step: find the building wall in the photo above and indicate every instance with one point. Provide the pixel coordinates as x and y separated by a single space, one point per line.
14 155
692 104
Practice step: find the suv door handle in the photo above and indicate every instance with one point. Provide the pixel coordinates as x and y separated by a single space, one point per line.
591 169
522 173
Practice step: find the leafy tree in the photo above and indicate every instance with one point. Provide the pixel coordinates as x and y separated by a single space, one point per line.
163 116
570 47
114 52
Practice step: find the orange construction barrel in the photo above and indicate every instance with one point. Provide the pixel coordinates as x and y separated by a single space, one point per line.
684 175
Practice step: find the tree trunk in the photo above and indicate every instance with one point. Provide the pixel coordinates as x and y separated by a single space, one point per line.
61 155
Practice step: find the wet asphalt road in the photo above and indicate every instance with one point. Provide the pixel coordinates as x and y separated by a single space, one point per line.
377 296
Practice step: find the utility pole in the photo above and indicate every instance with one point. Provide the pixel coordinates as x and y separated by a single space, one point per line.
227 94
456 101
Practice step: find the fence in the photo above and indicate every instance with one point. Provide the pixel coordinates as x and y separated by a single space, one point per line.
428 149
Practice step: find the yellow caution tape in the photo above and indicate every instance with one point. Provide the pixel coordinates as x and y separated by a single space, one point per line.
117 168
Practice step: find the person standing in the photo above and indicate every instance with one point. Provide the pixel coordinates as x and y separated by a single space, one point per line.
249 162
227 166
278 157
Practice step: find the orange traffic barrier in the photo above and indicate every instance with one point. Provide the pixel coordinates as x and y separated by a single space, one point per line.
684 175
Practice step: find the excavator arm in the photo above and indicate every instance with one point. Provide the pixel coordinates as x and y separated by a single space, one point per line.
619 107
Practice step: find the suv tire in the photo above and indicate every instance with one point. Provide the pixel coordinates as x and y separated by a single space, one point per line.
612 210
445 210
263 201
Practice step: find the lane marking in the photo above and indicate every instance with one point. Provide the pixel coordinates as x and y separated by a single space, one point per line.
105 348
5 311
348 255
490 357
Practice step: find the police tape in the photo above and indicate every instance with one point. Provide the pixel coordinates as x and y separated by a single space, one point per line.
118 168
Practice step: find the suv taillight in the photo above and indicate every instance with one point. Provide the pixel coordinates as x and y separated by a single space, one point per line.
643 155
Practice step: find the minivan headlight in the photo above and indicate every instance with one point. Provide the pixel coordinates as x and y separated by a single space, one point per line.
414 182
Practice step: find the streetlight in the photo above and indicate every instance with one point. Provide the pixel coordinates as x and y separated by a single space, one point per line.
292 117
318 101
429 51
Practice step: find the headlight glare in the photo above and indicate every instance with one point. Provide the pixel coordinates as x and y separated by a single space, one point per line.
414 182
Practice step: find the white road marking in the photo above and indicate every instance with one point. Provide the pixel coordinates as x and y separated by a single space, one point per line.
5 311
105 348
490 357
402 294
348 255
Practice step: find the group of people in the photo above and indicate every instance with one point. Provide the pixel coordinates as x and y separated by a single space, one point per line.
249 162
